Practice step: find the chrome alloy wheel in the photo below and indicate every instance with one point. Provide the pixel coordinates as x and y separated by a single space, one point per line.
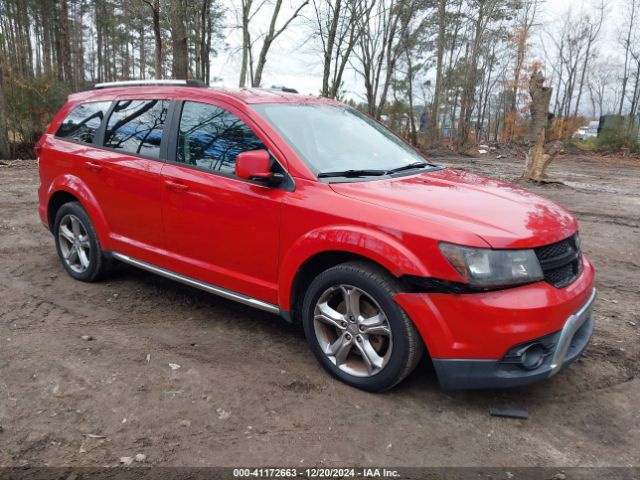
352 330
74 243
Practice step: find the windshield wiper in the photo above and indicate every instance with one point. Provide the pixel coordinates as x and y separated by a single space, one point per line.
352 173
411 166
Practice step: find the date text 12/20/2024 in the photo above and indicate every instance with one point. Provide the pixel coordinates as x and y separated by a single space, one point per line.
315 473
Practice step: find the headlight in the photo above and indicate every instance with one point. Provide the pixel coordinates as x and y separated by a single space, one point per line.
484 267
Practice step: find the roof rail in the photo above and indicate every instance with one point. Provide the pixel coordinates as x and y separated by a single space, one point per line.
151 83
282 88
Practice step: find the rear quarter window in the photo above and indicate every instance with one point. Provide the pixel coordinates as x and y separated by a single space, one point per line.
82 123
135 126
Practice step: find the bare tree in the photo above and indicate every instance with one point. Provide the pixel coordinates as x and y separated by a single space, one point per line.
630 23
437 93
592 28
336 24
488 18
599 83
385 27
273 32
569 40
525 21
157 35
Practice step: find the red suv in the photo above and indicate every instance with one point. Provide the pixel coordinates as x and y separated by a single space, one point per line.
309 209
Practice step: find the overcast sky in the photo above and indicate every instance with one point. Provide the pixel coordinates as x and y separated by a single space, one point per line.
295 62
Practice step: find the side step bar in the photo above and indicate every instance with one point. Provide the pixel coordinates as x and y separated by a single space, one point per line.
207 287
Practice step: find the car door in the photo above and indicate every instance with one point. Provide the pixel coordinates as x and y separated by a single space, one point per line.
220 229
129 171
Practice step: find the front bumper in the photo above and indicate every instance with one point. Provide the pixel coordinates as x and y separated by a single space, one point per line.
468 336
564 347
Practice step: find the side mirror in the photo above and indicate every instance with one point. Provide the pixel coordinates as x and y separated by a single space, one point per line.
256 165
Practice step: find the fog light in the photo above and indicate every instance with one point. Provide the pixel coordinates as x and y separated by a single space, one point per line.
533 355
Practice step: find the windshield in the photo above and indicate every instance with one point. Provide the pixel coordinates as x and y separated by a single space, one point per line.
335 139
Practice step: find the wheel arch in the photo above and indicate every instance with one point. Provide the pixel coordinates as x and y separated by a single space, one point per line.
322 249
69 188
57 200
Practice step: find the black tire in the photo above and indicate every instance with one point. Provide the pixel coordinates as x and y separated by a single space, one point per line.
407 347
97 263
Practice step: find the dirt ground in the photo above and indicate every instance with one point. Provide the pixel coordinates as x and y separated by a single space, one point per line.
249 392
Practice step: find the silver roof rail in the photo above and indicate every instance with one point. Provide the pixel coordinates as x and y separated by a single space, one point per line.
151 83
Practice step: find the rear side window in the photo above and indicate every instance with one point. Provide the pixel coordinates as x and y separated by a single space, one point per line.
83 122
211 138
135 126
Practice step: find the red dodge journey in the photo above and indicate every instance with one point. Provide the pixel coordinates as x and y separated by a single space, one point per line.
309 209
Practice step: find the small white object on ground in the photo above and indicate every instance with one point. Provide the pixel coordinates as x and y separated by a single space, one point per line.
174 366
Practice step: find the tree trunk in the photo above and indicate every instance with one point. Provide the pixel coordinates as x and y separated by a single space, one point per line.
45 9
4 133
272 34
469 85
204 48
179 40
266 45
537 159
157 35
99 43
437 92
207 73
627 51
413 132
341 64
328 51
246 43
65 48
143 52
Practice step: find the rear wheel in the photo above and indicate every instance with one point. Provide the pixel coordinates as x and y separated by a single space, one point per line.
355 328
77 243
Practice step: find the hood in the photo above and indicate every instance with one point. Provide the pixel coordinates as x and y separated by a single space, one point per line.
504 215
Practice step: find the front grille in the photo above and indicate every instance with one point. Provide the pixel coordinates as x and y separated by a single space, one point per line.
561 262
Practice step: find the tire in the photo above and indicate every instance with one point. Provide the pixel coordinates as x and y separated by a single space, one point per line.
373 321
73 231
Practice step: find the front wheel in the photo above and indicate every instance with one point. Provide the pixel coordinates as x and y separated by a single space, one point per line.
356 330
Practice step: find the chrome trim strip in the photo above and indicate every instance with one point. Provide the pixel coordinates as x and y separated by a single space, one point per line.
571 326
207 287
133 83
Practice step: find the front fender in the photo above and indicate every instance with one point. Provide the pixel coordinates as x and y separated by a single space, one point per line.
377 246
76 187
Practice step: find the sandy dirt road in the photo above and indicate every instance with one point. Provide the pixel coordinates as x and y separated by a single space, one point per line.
248 391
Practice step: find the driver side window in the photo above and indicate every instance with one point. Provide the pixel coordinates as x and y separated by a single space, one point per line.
211 137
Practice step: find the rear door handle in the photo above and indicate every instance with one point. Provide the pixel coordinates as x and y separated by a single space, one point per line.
176 186
93 166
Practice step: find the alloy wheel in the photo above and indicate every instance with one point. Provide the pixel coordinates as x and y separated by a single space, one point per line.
75 246
352 330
